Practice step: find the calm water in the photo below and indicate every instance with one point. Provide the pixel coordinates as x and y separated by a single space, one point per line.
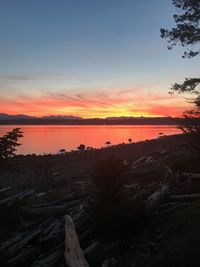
51 138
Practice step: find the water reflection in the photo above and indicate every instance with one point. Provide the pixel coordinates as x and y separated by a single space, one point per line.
51 138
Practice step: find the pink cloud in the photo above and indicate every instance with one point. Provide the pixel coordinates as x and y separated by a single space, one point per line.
96 104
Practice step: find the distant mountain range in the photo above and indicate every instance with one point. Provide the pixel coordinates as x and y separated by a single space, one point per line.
21 119
4 116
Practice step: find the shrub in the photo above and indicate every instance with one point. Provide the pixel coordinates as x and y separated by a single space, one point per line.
108 179
81 147
113 214
9 143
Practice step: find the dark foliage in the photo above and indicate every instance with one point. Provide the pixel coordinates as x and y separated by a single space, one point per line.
108 179
187 31
114 215
81 147
9 143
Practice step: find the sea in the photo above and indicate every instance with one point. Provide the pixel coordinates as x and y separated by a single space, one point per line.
45 139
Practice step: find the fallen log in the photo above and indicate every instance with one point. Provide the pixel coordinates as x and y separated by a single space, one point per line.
26 240
74 255
68 200
5 189
56 229
53 210
141 161
10 242
16 197
23 257
182 205
49 260
190 175
48 211
156 198
185 197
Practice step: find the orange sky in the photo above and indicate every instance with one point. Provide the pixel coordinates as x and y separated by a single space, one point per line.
99 104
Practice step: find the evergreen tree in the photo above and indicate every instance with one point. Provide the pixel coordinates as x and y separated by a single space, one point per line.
9 143
187 33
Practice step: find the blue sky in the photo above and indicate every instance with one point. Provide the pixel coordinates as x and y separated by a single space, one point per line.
87 48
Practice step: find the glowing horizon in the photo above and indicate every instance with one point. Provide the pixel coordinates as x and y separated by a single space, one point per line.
96 104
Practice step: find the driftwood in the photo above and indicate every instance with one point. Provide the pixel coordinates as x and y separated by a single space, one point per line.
69 200
74 255
190 175
26 240
55 229
159 196
48 211
185 197
6 202
22 258
10 242
141 161
3 190
156 198
54 210
182 205
50 259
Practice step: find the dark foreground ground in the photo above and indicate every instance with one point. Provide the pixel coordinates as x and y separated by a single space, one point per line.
37 191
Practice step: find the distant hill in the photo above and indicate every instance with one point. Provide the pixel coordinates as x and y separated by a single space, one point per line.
22 119
124 118
4 116
61 117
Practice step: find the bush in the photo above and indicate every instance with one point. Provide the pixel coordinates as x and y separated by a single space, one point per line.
108 179
113 214
81 147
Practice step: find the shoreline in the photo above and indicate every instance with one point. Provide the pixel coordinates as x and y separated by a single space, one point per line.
38 192
102 149
47 139
69 166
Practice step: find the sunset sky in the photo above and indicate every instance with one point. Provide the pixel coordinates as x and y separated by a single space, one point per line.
89 58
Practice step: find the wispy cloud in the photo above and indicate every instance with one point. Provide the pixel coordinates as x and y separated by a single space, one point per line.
44 76
96 103
15 78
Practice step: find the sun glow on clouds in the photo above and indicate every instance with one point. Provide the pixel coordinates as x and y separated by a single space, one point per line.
98 103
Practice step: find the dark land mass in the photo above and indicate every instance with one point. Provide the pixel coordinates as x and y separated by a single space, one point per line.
163 174
107 121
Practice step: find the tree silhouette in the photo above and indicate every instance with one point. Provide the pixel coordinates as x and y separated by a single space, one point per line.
9 143
187 33
81 147
130 140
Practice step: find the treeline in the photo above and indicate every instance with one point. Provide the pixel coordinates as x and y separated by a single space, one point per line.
115 121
